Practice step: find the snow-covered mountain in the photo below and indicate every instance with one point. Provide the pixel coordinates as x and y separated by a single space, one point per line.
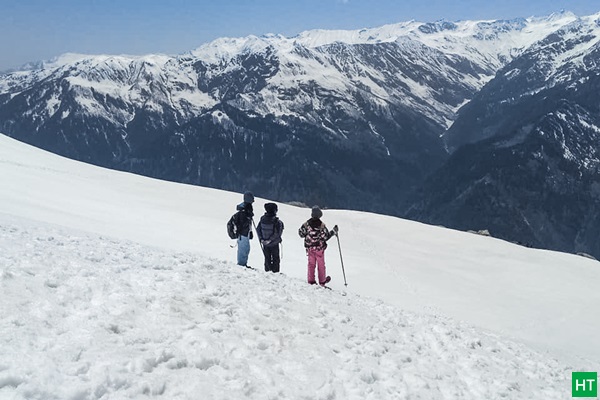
114 286
559 65
331 117
366 119
531 170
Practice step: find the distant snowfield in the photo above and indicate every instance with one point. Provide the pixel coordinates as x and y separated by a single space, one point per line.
118 286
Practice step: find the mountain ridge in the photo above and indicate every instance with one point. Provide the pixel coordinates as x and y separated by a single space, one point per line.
359 124
533 132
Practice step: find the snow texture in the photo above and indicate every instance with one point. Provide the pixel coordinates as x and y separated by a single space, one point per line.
118 286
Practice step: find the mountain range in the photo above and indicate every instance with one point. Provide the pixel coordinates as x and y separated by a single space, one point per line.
525 151
471 124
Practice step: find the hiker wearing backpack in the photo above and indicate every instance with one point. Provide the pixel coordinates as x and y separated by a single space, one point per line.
316 235
269 232
240 227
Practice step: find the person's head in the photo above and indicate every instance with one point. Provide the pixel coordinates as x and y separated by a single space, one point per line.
248 197
271 208
316 212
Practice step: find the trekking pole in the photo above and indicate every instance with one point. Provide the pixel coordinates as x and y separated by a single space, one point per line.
337 235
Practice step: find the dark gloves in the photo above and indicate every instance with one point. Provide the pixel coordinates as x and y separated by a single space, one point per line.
335 230
250 235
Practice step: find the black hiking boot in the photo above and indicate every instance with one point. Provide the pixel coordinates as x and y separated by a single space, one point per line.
327 280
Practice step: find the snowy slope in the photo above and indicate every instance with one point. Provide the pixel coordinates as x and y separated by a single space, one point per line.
119 286
91 317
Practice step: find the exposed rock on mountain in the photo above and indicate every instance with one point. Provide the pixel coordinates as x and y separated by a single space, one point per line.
365 119
527 159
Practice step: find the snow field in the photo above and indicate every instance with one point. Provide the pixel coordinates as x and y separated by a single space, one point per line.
91 317
113 286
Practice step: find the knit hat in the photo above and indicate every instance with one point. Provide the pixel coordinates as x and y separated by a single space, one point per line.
248 197
316 212
271 208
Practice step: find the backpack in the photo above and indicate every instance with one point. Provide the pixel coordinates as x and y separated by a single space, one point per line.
269 229
232 228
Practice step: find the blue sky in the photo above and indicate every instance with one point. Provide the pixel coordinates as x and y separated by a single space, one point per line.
32 30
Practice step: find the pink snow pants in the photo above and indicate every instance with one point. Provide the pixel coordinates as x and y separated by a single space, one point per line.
316 257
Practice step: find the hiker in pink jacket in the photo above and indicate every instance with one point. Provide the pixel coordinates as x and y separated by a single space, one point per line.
315 236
